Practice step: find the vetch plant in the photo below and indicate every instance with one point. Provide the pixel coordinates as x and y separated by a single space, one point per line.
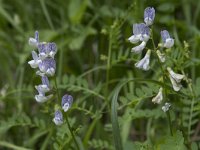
45 64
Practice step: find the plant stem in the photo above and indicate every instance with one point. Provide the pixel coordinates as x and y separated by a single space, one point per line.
164 79
108 65
71 131
170 122
68 124
56 86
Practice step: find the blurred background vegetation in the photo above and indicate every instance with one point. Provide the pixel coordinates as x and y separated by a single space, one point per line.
81 28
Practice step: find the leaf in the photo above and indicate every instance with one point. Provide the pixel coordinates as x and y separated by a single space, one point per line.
175 142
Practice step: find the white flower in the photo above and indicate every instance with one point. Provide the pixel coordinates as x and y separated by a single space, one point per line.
175 79
35 62
58 118
168 41
34 41
41 98
144 63
159 97
160 56
50 72
166 107
47 49
42 88
67 101
141 32
134 38
149 15
139 48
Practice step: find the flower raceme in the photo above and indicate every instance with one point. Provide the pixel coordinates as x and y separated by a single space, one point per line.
44 62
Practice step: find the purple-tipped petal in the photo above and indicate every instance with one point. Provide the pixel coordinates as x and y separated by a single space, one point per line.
48 66
34 55
67 101
37 36
45 81
164 35
149 15
167 40
58 117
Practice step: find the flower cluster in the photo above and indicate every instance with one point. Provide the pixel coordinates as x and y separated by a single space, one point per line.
141 33
44 62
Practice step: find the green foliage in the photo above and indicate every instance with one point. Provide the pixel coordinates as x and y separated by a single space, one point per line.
175 142
112 106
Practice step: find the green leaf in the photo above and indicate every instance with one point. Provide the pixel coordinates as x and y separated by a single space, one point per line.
175 142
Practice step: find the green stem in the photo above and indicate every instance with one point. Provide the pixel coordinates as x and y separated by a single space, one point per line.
70 129
12 146
108 64
72 133
56 86
164 81
170 123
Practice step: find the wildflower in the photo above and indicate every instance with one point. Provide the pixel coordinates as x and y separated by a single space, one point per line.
166 107
58 117
34 41
149 15
175 79
47 50
139 48
141 32
41 98
44 87
160 56
47 67
36 60
144 63
159 97
66 102
168 41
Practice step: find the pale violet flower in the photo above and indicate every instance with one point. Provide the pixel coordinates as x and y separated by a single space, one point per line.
47 67
149 15
36 60
175 79
166 107
67 101
58 118
161 56
139 48
141 32
159 97
41 98
144 62
167 40
34 41
44 87
47 49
